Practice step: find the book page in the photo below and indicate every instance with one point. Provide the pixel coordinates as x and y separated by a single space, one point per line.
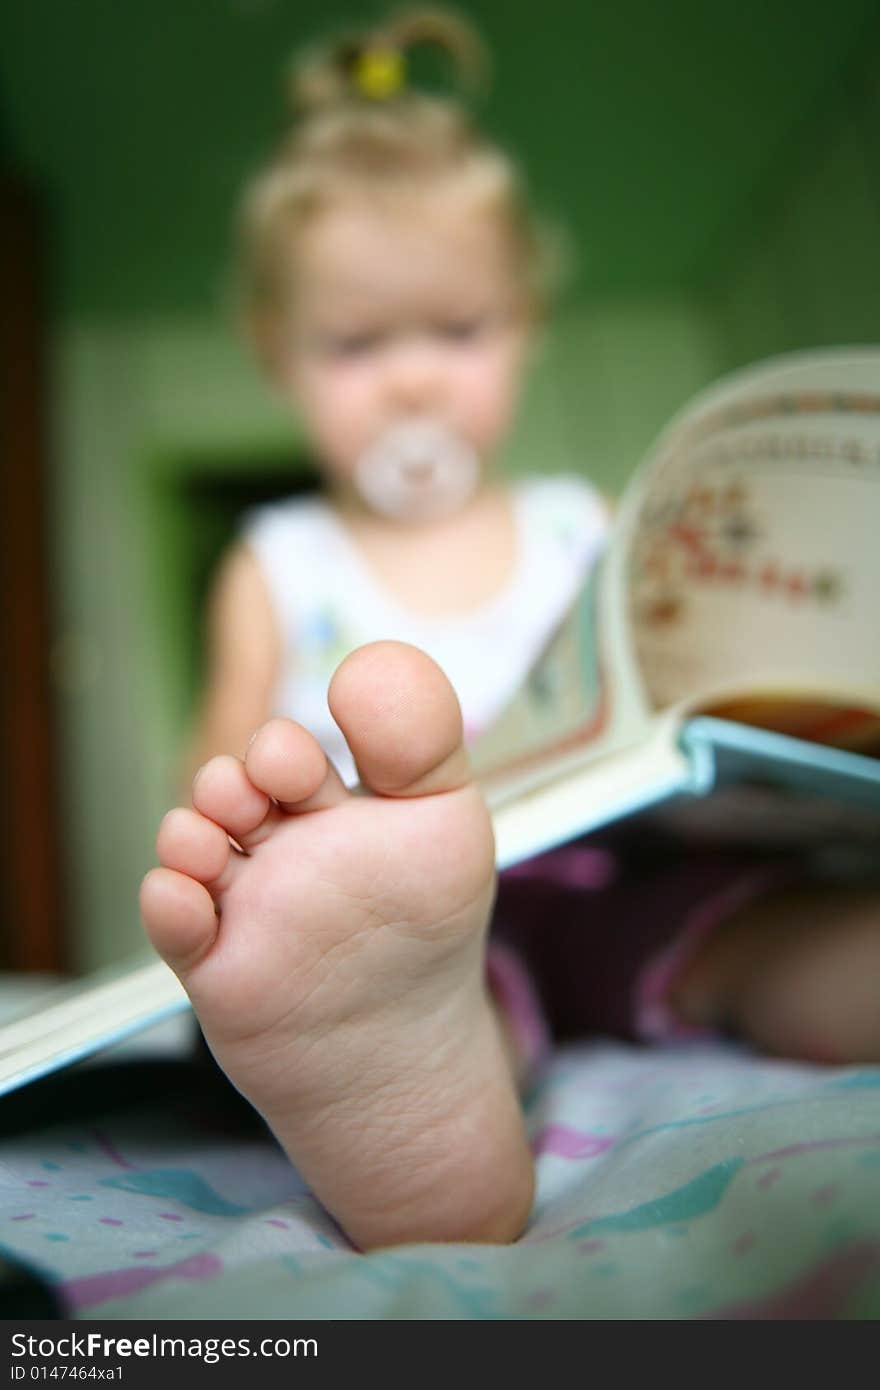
749 556
564 695
74 1019
579 703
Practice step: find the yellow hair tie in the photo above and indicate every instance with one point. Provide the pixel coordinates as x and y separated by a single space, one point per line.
379 72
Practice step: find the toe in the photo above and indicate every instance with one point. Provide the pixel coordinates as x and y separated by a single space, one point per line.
193 845
223 791
288 764
401 719
178 916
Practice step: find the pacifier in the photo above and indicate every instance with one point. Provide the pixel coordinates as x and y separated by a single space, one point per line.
419 470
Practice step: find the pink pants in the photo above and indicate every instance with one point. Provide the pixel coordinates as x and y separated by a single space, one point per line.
587 939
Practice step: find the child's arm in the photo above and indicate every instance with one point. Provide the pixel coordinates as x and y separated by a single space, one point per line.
243 658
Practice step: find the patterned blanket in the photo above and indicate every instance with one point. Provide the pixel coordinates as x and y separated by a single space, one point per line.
688 1182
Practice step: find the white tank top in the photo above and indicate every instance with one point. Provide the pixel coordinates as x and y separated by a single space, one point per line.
328 601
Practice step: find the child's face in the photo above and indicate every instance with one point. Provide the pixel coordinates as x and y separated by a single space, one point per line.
402 313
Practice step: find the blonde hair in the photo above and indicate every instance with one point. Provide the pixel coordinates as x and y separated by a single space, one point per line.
359 127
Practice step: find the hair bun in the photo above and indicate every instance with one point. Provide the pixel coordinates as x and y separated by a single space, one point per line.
371 64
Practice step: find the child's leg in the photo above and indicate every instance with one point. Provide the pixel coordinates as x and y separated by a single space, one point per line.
796 972
336 964
603 928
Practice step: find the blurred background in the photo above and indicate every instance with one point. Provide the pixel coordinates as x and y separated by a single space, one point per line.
717 166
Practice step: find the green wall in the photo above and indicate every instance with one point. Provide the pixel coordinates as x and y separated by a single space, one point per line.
807 268
648 127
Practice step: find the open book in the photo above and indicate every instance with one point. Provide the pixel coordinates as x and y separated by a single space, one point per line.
732 631
725 656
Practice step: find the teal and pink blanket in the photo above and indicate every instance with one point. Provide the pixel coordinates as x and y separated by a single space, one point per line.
694 1181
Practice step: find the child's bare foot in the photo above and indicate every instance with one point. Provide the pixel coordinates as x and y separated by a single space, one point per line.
796 973
336 965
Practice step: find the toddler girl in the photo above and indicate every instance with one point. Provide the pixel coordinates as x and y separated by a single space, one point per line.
394 281
334 943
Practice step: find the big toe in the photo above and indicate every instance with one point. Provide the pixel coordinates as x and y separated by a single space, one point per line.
401 719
